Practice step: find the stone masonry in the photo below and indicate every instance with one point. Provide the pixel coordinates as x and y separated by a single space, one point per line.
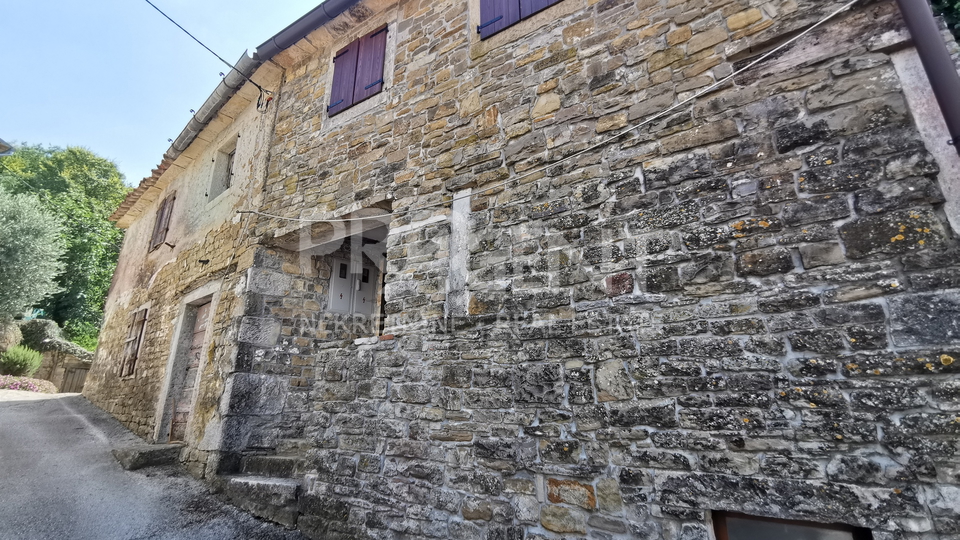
751 304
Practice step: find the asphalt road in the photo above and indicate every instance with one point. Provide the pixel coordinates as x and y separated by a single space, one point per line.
58 480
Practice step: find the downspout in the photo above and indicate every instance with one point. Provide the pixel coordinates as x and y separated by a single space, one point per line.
940 68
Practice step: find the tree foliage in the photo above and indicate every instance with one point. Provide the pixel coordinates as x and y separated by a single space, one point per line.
950 10
31 247
82 190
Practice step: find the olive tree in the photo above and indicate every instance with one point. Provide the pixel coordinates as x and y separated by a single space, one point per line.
31 247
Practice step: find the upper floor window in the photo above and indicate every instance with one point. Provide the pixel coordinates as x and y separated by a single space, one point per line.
162 224
495 15
222 171
358 71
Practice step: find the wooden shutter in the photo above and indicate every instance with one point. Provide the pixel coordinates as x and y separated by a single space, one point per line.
372 50
162 225
131 347
495 15
344 77
529 7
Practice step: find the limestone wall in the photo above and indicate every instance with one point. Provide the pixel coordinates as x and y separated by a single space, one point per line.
208 244
749 305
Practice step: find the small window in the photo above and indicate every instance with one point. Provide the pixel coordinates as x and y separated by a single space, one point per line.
162 224
131 346
358 71
222 173
496 15
733 526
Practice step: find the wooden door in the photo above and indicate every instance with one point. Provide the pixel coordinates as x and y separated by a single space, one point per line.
183 398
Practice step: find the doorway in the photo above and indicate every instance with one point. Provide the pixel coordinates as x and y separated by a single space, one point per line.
184 392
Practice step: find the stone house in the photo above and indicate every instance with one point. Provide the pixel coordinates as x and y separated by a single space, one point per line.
523 269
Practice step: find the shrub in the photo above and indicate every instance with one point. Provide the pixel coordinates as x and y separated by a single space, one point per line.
9 382
20 360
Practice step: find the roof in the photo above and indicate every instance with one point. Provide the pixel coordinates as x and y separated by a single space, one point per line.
242 71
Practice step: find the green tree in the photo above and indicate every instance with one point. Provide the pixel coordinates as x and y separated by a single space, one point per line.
31 248
950 10
82 190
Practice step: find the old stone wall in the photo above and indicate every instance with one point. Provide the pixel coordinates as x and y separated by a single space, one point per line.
749 304
208 247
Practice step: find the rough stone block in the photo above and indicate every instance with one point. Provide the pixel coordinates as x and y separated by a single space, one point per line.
571 492
826 254
269 282
925 319
765 262
837 178
811 210
136 457
256 394
893 233
259 331
274 499
563 520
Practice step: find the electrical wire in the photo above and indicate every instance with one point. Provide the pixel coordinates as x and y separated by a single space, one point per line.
265 95
592 147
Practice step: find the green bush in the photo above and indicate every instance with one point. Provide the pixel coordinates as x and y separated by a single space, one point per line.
20 361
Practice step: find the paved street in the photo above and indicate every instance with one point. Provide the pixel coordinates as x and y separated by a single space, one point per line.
58 480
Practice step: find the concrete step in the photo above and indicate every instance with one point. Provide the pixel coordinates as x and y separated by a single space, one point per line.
273 466
139 456
273 499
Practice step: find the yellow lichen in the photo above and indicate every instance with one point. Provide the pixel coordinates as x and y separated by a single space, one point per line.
813 405
946 359
897 237
839 437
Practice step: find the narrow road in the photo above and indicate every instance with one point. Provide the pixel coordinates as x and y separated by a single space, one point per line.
58 480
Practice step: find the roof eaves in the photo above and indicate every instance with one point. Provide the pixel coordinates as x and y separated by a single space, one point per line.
230 85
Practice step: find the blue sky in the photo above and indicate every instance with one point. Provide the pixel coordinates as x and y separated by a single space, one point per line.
116 77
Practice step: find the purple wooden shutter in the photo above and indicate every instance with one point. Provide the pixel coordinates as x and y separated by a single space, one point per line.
373 49
495 15
344 75
529 7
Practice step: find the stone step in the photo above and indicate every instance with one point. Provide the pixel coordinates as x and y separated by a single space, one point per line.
273 466
294 446
139 456
273 499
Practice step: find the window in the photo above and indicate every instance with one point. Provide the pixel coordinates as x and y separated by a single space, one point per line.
495 15
131 347
733 526
162 224
222 172
358 71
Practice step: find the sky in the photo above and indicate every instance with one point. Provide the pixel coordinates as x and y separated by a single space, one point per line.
115 76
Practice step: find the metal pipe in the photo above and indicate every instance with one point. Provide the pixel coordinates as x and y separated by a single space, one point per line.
317 17
936 62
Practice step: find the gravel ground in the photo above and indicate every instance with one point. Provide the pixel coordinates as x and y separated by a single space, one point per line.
60 481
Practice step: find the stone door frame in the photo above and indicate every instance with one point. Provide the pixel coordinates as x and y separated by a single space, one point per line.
182 335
